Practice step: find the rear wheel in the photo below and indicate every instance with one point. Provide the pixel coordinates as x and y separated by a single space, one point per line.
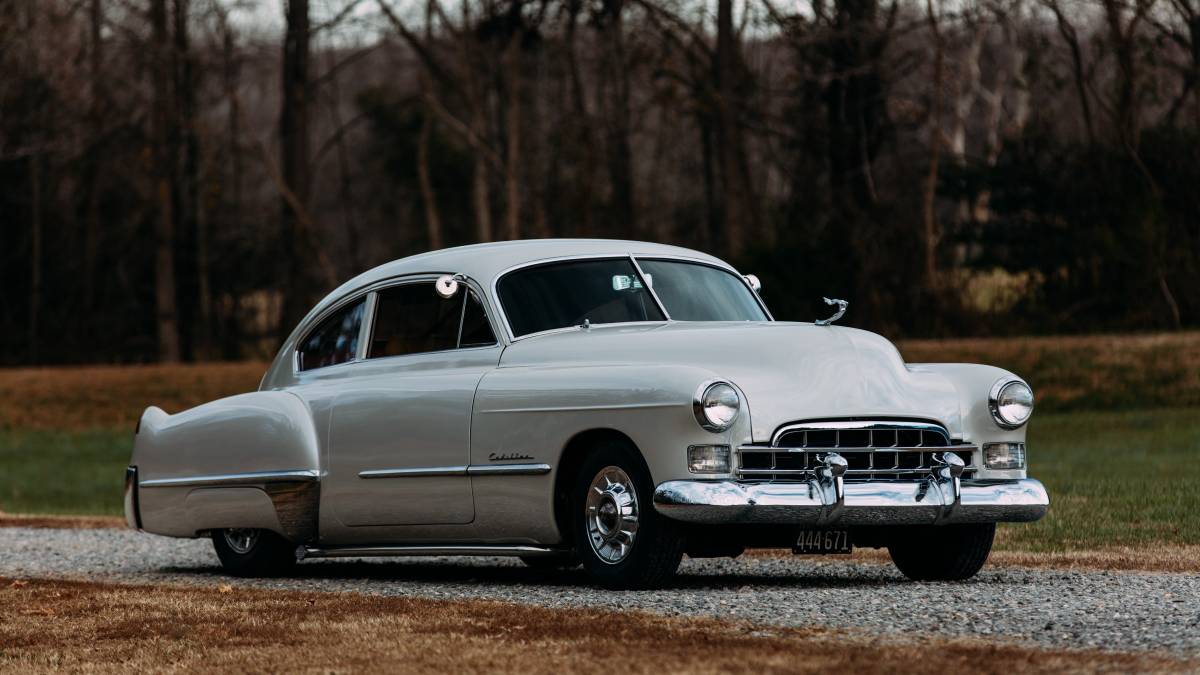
621 540
943 553
248 552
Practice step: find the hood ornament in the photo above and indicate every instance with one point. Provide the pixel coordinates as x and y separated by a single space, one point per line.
842 305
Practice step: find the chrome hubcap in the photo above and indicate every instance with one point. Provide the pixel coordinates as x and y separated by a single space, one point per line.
611 514
241 540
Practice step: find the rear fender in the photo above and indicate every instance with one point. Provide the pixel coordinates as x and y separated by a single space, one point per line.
251 460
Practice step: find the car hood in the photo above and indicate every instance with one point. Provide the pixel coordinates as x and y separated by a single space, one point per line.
787 371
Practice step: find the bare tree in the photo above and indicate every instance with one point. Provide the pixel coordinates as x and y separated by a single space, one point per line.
164 176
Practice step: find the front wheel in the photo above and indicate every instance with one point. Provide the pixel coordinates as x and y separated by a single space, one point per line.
621 540
253 553
942 553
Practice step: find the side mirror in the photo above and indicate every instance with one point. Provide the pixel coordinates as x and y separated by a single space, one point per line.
754 282
446 285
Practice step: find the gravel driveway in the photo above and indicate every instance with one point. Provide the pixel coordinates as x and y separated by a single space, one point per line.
1109 610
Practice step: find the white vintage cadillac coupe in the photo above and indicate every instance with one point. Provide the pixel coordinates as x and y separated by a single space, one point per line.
613 404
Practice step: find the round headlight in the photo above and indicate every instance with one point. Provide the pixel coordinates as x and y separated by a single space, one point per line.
717 405
1011 403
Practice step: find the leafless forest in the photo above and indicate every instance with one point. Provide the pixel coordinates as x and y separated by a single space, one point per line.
180 179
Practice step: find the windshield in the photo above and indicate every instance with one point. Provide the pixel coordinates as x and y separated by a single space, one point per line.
565 294
559 295
696 292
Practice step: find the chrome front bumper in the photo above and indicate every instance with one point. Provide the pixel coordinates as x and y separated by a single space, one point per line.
826 501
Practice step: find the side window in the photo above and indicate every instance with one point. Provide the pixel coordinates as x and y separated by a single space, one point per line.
413 318
334 341
476 331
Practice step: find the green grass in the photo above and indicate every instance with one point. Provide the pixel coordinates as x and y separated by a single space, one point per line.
75 472
1115 478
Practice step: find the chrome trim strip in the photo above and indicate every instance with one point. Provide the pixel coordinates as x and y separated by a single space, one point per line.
918 448
472 470
864 425
252 478
578 408
415 473
868 504
508 469
649 287
426 549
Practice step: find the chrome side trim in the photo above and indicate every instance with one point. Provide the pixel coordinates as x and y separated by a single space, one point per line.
853 425
415 473
420 550
873 503
472 470
578 408
252 478
508 469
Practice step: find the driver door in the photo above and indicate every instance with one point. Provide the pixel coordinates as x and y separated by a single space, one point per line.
399 436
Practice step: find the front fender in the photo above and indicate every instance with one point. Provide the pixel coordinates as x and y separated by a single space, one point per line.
973 382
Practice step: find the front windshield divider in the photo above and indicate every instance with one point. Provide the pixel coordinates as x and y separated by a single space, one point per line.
646 284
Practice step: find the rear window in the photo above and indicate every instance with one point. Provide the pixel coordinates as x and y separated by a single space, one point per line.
333 341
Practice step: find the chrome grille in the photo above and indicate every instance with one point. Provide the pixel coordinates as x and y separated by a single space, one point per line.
873 451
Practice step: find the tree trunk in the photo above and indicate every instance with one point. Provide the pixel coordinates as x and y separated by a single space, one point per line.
512 164
623 218
35 253
929 198
739 206
187 188
433 221
91 220
294 158
166 302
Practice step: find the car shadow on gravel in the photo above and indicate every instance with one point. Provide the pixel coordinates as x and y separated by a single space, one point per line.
456 572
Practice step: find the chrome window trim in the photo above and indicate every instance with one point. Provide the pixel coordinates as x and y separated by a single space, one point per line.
370 293
649 286
511 337
368 324
249 478
864 425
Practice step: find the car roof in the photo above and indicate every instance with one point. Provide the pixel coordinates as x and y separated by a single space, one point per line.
484 262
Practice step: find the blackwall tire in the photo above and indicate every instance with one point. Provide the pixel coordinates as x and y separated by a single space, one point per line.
254 553
621 540
943 553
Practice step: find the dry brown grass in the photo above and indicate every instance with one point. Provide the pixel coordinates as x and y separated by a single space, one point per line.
113 397
57 625
61 522
1076 372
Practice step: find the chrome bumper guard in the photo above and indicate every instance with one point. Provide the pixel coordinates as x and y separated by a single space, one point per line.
826 500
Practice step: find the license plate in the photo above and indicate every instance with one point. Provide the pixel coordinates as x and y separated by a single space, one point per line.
811 542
